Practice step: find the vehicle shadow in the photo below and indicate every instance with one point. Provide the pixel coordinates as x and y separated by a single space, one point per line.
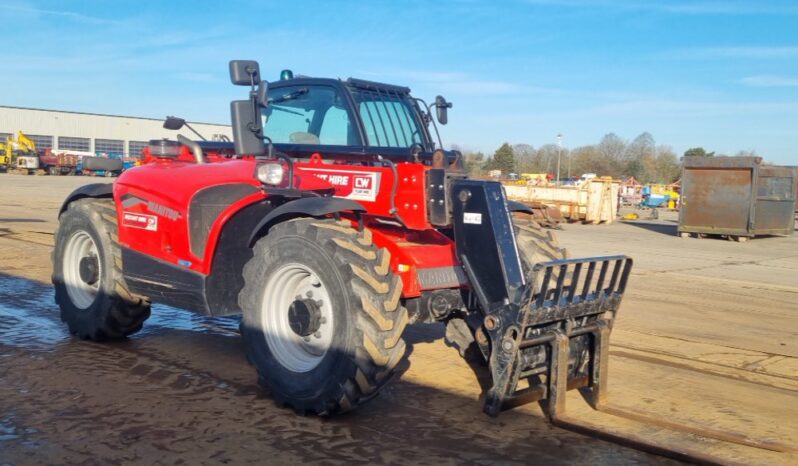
669 229
21 220
190 372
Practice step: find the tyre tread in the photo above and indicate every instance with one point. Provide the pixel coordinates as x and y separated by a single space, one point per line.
124 314
375 293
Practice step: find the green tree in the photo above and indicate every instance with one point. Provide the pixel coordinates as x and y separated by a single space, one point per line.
503 159
698 152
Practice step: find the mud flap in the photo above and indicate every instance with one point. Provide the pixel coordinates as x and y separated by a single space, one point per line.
537 342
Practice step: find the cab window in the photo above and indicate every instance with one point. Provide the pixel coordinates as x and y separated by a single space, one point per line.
309 115
388 118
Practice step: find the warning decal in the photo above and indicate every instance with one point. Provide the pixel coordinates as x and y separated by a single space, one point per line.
145 222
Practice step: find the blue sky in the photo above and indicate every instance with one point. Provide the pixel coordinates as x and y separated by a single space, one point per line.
717 74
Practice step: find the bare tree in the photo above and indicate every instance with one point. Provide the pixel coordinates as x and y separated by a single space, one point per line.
525 158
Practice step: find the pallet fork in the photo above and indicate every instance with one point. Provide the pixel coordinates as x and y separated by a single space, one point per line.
548 326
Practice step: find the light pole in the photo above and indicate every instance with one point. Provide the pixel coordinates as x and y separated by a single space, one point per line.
569 165
559 151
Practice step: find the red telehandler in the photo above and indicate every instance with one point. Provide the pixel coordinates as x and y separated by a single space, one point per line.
332 222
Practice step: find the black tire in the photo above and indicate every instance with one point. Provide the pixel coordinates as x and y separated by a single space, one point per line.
114 312
368 319
536 244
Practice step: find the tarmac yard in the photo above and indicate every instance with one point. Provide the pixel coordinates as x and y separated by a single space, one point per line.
703 365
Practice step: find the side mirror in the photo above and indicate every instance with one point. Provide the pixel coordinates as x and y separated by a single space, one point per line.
442 109
173 123
244 72
261 97
247 128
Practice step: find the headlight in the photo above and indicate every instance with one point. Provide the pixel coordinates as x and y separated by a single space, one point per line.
270 173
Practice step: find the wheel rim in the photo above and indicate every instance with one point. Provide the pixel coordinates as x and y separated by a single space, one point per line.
81 289
288 285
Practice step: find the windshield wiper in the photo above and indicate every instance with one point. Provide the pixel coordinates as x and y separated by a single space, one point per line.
289 96
277 107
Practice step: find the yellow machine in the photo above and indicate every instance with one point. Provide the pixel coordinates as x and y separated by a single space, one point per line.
6 154
24 159
26 144
666 190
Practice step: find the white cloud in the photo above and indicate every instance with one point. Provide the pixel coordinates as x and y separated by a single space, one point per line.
750 52
678 7
682 109
770 81
36 12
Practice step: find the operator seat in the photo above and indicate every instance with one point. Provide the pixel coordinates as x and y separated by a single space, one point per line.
300 137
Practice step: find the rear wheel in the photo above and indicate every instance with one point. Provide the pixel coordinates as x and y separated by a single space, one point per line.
322 318
87 274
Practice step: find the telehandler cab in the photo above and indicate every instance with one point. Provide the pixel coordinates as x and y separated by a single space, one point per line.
332 222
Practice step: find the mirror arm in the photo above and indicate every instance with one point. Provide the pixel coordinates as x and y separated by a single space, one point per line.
290 164
434 125
194 131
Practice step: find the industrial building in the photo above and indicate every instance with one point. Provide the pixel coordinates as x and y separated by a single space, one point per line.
92 132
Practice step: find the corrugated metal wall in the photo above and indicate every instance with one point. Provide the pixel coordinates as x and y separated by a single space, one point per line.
92 126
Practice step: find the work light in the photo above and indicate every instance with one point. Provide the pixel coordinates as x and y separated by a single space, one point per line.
270 173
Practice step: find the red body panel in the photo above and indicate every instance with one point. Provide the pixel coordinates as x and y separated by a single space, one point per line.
154 220
168 239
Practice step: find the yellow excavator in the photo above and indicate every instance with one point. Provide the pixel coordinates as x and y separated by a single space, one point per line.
22 156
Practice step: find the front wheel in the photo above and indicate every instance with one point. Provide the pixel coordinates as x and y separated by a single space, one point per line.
322 319
87 274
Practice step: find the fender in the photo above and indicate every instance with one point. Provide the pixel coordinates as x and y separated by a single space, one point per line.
95 190
515 206
305 207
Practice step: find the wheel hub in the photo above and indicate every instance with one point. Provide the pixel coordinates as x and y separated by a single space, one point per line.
304 317
82 269
297 317
89 269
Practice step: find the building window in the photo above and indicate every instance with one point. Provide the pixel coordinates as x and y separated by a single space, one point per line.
70 143
110 146
134 148
42 142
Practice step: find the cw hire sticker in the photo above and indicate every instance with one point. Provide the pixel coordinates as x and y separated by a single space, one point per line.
145 222
355 185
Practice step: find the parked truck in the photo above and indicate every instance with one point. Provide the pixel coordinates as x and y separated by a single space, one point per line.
61 162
